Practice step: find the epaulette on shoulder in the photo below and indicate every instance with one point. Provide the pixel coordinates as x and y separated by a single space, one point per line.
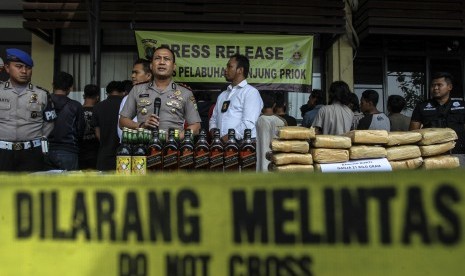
45 90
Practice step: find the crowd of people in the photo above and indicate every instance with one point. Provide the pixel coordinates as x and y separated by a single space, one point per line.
40 130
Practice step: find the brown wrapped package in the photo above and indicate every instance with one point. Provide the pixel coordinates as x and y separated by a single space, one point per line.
290 168
332 142
431 136
408 164
397 138
437 149
326 156
378 137
290 146
403 152
296 133
441 162
292 158
367 152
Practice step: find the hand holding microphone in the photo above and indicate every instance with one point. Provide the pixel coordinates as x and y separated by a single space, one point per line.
153 119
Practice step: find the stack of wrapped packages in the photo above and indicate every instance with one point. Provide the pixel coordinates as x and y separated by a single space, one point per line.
402 150
367 144
435 145
290 152
330 149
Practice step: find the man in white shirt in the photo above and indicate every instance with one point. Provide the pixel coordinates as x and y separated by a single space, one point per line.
141 73
239 106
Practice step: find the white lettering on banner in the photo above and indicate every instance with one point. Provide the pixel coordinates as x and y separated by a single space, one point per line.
366 165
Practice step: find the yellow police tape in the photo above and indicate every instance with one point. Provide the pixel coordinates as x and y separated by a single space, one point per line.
404 223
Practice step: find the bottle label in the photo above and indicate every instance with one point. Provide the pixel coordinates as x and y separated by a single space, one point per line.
186 160
201 160
123 165
139 165
216 160
231 160
249 161
170 160
154 160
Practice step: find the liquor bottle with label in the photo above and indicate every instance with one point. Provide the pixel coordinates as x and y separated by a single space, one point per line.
155 150
202 152
170 152
123 154
216 152
186 152
231 152
139 154
247 153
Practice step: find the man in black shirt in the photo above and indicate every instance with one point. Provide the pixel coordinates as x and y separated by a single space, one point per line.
89 147
105 121
441 111
69 126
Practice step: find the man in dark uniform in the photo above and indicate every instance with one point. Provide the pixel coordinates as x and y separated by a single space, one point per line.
177 103
22 118
441 111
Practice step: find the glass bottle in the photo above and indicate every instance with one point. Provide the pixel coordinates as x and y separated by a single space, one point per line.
231 152
155 149
202 152
170 152
123 155
186 152
216 152
248 157
139 154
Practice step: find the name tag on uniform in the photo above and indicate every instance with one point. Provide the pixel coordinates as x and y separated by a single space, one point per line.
144 95
225 106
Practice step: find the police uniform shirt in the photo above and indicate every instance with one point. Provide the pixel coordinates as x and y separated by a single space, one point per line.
21 113
451 114
177 105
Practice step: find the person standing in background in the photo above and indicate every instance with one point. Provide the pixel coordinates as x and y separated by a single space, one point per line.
141 73
335 118
26 116
267 126
105 121
88 149
69 127
441 111
373 118
354 105
395 105
239 106
315 102
281 108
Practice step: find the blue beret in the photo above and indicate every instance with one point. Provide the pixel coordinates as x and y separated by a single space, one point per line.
19 56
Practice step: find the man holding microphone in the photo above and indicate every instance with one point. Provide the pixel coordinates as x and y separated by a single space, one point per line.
177 103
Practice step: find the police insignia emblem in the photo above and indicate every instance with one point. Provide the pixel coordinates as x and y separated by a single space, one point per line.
143 111
177 92
34 98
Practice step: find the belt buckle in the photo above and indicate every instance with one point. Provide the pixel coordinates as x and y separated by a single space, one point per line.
18 146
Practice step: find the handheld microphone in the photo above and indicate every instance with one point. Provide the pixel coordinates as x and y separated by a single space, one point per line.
157 106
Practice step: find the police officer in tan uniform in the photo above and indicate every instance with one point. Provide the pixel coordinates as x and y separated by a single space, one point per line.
23 116
177 103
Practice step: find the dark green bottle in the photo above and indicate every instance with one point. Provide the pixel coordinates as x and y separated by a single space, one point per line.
123 154
202 152
248 157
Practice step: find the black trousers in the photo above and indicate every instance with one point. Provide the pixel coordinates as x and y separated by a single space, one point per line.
29 160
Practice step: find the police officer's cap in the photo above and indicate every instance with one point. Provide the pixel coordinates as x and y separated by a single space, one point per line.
18 55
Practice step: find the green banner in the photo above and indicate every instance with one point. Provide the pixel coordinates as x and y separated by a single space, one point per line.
277 62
